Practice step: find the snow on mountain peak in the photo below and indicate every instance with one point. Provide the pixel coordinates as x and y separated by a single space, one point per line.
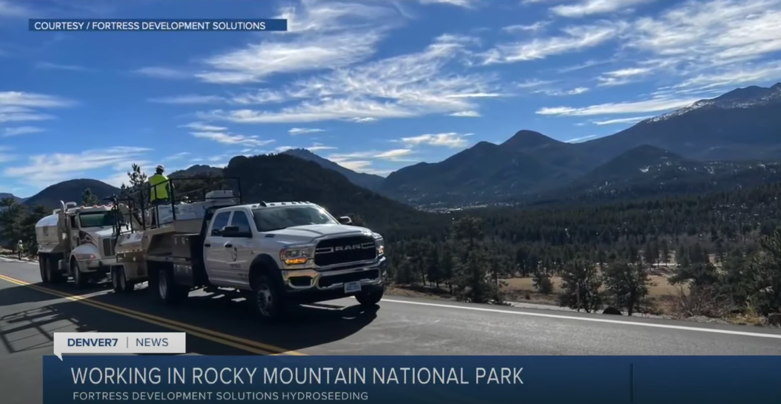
747 97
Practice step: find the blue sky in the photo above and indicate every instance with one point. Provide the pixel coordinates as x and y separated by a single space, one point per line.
373 84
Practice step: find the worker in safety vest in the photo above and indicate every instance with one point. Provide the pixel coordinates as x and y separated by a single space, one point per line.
158 190
19 248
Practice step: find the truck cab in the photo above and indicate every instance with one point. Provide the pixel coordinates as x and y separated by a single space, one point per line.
274 254
293 252
76 241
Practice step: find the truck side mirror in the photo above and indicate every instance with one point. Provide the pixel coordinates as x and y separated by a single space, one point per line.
345 220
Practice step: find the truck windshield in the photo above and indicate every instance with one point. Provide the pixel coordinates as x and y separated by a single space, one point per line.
96 219
282 217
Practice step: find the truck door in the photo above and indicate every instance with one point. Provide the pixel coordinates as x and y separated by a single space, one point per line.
240 249
215 256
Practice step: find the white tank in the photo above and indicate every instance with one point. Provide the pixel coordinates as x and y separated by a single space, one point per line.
47 234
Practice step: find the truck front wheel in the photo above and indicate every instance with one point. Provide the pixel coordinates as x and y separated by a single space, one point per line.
80 279
168 290
371 297
268 299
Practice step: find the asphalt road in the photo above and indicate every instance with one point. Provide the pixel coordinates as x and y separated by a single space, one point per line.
30 313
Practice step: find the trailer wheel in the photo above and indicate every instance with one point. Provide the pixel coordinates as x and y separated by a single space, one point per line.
52 276
268 301
119 281
80 279
168 290
371 297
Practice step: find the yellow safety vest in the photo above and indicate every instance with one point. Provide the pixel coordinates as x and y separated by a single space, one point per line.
158 187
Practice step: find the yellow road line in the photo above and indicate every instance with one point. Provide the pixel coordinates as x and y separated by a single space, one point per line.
214 336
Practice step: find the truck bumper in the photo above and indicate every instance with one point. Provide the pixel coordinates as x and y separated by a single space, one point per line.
97 266
310 285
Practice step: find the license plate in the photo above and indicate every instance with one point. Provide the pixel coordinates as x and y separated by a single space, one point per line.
351 287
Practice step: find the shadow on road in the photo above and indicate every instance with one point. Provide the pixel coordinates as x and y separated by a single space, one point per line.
306 327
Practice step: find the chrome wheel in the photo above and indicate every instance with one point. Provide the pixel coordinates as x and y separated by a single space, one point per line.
44 270
264 300
115 278
162 284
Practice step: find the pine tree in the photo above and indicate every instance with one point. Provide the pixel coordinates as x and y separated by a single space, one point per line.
89 199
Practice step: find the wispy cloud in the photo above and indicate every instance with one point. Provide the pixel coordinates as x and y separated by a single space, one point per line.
231 139
13 9
21 130
537 26
620 121
362 161
622 76
18 106
533 83
189 99
450 139
55 66
303 131
574 91
466 114
584 8
574 39
398 87
5 156
45 169
162 73
322 35
631 107
257 97
694 36
202 127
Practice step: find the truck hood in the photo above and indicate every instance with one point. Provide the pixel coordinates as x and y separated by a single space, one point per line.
304 234
100 232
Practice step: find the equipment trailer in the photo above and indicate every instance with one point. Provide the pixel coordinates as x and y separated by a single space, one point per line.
275 254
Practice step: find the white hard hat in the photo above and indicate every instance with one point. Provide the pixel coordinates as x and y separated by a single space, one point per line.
160 167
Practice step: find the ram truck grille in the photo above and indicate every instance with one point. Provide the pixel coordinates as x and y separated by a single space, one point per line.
345 250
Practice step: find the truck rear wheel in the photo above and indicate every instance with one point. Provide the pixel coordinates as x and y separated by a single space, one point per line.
80 279
167 290
42 261
268 300
49 268
371 297
120 282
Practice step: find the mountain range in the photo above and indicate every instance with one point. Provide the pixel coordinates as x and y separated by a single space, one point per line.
727 142
707 141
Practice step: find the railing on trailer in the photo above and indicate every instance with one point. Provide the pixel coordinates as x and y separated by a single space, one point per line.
180 190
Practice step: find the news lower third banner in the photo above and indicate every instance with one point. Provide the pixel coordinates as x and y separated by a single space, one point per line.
412 379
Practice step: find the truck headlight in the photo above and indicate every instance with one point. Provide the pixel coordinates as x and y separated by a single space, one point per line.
380 243
296 255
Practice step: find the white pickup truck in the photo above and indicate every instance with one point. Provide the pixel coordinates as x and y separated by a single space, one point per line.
276 254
